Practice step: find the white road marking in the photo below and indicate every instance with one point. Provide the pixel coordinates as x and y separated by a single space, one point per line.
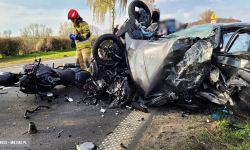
125 132
4 88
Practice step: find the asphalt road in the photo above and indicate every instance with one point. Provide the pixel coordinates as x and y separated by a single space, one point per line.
16 69
78 123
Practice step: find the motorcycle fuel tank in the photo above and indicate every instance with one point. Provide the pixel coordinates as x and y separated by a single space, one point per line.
7 79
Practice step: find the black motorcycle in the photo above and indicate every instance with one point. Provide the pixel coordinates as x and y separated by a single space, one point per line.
108 49
39 79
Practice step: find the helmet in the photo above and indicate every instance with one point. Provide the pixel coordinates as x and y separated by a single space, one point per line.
73 14
116 24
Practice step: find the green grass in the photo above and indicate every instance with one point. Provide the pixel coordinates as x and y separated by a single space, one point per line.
30 57
221 137
33 40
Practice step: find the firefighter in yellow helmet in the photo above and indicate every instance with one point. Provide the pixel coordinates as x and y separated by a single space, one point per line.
81 34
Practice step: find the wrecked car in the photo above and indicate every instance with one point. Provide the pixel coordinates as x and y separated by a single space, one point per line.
207 63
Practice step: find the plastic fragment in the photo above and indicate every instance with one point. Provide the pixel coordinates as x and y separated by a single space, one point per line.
85 146
128 107
103 110
32 128
215 116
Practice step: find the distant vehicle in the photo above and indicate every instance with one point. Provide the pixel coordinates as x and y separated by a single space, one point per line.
171 25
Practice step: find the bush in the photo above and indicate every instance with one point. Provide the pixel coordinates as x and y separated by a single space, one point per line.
93 39
60 43
49 44
41 45
11 46
53 43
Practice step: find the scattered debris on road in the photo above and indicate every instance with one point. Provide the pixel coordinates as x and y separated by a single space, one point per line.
123 146
128 107
68 98
215 116
85 146
103 110
59 133
32 128
37 108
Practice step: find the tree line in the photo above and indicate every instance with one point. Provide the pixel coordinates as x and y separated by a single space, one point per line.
37 31
6 33
67 27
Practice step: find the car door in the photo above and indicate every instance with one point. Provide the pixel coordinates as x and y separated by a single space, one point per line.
234 58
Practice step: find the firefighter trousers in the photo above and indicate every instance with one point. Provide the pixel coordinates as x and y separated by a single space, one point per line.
83 54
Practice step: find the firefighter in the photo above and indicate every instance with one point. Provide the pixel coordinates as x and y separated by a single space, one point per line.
81 34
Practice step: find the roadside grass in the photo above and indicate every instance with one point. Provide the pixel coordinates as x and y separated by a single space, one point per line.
33 40
30 57
217 134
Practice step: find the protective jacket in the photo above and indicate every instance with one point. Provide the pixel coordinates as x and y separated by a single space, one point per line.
83 44
81 27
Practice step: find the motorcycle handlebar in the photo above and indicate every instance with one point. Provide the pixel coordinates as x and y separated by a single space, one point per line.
35 69
39 61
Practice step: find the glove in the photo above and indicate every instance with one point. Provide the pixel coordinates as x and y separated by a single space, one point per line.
71 36
79 36
75 37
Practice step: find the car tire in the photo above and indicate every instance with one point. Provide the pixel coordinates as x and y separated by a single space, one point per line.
96 46
131 10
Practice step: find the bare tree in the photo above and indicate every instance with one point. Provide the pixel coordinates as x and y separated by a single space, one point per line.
231 19
36 31
94 30
107 31
7 33
150 4
49 32
205 17
65 29
4 33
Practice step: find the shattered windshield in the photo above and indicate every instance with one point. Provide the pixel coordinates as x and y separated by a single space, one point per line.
199 31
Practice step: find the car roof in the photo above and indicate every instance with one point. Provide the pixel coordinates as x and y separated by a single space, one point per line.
228 25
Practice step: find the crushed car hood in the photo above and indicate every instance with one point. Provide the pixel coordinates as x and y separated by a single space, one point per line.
168 65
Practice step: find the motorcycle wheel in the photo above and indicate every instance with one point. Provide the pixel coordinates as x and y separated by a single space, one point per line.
104 47
139 4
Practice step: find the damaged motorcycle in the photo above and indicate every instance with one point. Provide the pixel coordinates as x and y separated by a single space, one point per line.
39 79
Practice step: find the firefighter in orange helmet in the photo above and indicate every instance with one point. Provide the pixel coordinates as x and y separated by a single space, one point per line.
81 34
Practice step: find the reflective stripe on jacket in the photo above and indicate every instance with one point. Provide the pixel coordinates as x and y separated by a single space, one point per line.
84 43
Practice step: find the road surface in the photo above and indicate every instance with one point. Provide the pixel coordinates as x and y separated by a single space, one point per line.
79 124
17 69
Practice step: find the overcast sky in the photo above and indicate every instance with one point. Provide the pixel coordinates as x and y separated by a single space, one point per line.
17 14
